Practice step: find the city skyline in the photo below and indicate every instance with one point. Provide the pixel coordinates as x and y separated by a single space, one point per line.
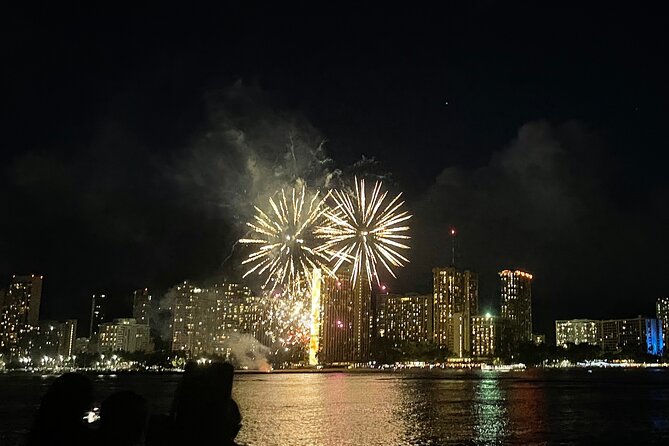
134 153
458 297
341 321
127 305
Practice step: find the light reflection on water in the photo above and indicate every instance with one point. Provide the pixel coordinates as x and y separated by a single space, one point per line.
317 409
490 410
400 409
455 407
409 408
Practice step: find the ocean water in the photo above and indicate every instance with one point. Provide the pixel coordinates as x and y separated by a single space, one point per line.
621 406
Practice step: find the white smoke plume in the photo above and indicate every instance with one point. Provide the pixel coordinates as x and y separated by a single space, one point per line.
249 152
247 352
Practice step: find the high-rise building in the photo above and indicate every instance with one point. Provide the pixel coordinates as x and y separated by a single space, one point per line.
98 307
68 337
662 313
123 335
141 306
642 334
455 301
194 320
45 340
345 319
577 331
634 334
20 311
256 320
53 338
204 318
379 298
485 335
408 318
516 307
232 300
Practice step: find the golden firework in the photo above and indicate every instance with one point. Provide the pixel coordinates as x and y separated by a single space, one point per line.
364 230
287 251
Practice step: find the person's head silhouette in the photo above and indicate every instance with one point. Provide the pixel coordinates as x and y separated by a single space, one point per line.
202 400
60 417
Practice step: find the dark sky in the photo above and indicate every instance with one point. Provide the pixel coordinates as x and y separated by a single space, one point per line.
539 133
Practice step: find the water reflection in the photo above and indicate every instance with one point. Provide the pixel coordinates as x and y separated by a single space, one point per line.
526 409
409 408
436 407
361 410
489 408
318 409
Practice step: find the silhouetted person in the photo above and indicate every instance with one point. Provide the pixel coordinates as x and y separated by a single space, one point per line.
191 371
123 417
233 423
201 402
60 417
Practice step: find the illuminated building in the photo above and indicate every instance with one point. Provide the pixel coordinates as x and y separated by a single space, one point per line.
44 340
408 318
20 312
54 338
640 334
203 317
123 335
82 345
68 336
577 331
634 334
455 301
516 307
141 306
98 307
379 313
485 334
662 313
231 301
345 319
256 320
193 320
315 316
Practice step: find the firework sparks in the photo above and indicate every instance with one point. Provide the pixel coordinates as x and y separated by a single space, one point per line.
287 250
363 230
283 319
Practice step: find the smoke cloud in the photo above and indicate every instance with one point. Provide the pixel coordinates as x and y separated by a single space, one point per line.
549 202
247 352
251 151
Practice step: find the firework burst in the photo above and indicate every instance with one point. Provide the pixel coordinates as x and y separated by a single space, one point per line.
365 230
287 250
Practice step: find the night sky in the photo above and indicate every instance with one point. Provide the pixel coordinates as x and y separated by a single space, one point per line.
541 134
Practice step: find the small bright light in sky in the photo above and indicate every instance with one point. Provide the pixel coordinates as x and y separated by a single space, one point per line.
452 231
488 315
